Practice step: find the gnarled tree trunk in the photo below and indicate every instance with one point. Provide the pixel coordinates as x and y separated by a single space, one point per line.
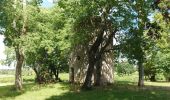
92 60
18 72
88 80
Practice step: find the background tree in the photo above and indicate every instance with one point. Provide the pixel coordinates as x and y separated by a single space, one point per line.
47 44
134 43
124 68
10 57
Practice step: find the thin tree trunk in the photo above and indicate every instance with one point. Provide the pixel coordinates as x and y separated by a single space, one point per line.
56 72
36 73
141 74
57 75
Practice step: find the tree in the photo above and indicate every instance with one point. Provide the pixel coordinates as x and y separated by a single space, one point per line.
14 26
134 43
95 23
47 44
162 18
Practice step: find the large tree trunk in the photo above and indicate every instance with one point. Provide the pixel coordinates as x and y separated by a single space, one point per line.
95 54
98 73
141 74
88 80
92 60
71 75
18 72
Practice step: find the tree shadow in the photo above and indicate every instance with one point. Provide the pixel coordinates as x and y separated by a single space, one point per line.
9 91
116 92
123 90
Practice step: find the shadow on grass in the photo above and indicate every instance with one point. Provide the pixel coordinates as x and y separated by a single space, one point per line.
10 92
121 90
116 92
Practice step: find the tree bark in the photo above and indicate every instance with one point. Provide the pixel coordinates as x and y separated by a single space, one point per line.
141 74
18 72
71 75
90 70
98 72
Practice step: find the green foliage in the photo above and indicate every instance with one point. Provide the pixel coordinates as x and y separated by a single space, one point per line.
164 64
86 17
47 39
10 56
133 41
125 68
36 33
158 56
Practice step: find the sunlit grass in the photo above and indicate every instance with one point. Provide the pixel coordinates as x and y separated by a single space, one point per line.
127 79
31 91
162 84
125 88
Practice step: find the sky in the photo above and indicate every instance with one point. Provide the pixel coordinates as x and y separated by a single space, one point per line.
2 55
46 4
2 47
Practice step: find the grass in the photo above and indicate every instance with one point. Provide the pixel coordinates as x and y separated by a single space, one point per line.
124 89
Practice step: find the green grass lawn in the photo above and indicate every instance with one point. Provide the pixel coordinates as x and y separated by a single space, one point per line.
124 89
